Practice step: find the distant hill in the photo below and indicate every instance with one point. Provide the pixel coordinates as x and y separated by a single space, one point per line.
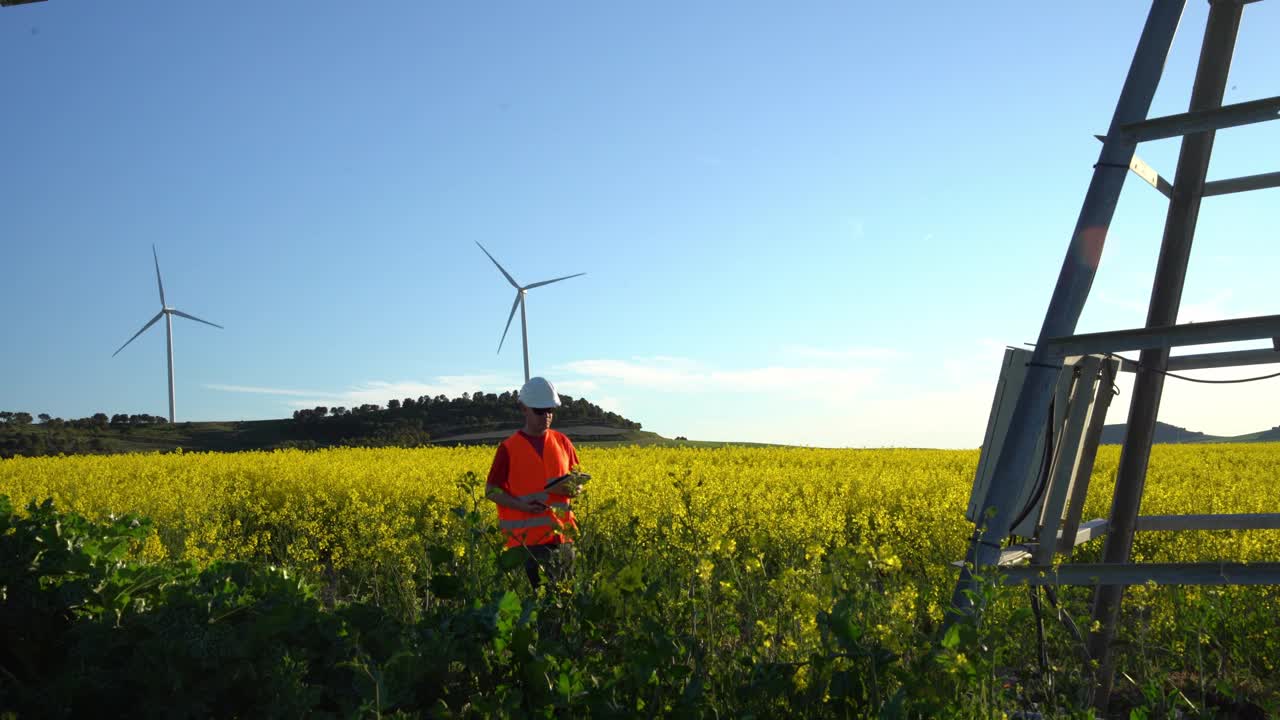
1172 435
482 418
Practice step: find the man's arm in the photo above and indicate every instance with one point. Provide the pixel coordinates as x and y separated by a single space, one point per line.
501 497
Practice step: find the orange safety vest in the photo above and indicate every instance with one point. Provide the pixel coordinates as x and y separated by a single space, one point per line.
527 478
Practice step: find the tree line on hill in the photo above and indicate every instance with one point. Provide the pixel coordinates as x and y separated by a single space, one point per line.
16 420
416 421
410 422
20 434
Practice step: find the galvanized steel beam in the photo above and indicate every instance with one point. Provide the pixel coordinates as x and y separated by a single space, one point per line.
1205 116
1163 337
1118 575
1206 120
1072 289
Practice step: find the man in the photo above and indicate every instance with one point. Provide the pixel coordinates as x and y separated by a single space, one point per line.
529 515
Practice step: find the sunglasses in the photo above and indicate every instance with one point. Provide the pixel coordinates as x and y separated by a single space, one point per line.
542 411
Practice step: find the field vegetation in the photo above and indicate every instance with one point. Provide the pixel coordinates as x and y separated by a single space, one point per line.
710 582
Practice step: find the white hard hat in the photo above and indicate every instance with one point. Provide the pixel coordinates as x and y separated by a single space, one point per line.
538 392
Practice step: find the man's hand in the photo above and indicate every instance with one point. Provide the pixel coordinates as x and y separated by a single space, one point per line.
531 506
571 486
509 501
568 488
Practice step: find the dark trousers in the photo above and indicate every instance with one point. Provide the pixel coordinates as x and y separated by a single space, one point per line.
555 560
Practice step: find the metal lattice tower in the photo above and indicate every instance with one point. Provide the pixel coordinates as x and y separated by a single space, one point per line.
1077 369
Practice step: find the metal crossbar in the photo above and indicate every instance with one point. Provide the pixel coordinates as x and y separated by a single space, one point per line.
1169 336
1204 361
1245 113
1209 573
1242 184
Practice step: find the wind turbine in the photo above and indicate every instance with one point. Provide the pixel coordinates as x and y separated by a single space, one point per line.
167 313
520 293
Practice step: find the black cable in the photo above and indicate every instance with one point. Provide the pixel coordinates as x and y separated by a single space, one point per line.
1042 481
1070 622
1221 382
1199 380
1043 653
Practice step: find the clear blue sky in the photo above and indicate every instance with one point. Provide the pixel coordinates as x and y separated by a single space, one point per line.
811 223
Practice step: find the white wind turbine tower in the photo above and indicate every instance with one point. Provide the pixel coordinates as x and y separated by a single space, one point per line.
520 293
168 313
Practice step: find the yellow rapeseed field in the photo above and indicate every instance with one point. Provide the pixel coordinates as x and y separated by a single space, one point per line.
350 505
748 527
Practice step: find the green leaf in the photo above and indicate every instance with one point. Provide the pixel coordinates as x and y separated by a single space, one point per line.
446 586
512 559
509 603
439 555
951 640
562 685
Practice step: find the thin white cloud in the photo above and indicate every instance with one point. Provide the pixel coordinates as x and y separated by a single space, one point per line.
576 388
1208 309
683 375
807 352
378 392
860 397
1127 304
850 397
799 380
260 390
610 403
1218 306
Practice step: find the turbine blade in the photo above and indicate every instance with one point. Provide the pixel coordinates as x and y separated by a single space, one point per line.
135 335
505 274
159 282
548 282
193 317
514 305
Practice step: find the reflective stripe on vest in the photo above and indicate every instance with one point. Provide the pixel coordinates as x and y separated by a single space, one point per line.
541 521
527 478
545 499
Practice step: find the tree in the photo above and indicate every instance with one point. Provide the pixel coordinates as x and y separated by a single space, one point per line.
20 419
44 417
393 404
